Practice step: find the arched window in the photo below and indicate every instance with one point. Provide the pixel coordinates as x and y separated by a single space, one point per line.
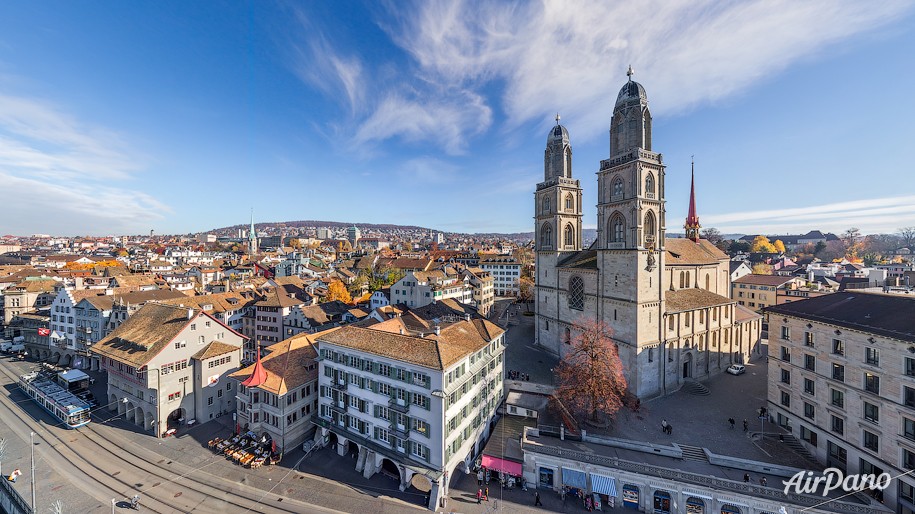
708 282
617 189
546 205
617 228
682 280
649 228
570 202
688 282
670 323
576 293
567 336
568 163
569 236
546 236
649 184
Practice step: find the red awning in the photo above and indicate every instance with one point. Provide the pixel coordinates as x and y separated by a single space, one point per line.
505 466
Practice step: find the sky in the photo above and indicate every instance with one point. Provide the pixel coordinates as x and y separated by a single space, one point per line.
179 117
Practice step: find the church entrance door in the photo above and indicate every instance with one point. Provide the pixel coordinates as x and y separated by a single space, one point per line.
688 366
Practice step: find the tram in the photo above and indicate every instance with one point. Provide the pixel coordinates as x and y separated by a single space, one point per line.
61 403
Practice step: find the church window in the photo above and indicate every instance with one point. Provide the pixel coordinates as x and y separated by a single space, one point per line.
701 316
570 202
715 314
546 205
546 236
576 293
649 228
617 189
651 355
688 283
649 185
567 336
682 279
546 325
670 352
708 281
687 316
714 339
614 314
569 236
617 228
670 323
568 169
701 343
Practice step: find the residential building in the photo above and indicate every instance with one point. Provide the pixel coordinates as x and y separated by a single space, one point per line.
760 291
505 271
410 403
739 269
380 298
31 329
26 296
666 300
167 366
419 288
842 380
278 394
482 286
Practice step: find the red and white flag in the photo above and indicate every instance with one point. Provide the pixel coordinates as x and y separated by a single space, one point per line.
44 332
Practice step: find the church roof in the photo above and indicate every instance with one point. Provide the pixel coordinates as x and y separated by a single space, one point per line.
631 91
687 252
584 259
693 298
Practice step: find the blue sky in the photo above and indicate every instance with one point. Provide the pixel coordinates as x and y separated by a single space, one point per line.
121 117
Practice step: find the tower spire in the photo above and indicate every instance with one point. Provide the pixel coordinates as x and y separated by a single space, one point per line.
252 236
630 73
692 219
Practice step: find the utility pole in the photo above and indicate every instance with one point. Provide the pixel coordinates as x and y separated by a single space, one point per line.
32 451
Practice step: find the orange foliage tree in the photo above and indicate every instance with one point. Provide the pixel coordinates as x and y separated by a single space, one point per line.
590 376
337 291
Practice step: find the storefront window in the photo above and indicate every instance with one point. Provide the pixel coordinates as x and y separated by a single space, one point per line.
630 496
661 502
546 477
695 506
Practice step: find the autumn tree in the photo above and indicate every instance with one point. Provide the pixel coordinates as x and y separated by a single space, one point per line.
337 291
779 246
762 268
761 244
294 243
590 375
526 291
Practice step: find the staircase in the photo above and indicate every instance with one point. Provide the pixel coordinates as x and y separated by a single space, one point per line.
695 388
798 448
693 453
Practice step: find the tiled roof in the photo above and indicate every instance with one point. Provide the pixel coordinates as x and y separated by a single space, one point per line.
105 302
693 298
220 302
681 251
742 314
37 286
764 280
143 335
887 315
438 352
286 366
214 349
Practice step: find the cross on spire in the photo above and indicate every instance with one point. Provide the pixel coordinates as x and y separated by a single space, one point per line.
557 118
629 73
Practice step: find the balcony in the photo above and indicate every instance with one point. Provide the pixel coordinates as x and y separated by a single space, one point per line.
339 385
402 406
339 406
400 431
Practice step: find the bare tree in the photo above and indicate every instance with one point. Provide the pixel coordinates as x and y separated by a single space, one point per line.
907 236
712 235
590 375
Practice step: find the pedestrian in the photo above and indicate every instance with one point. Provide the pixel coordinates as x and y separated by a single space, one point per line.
746 425
670 429
14 475
664 426
731 421
479 496
486 493
746 477
537 499
762 481
480 478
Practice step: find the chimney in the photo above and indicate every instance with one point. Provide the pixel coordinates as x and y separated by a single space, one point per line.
466 316
190 313
401 330
438 330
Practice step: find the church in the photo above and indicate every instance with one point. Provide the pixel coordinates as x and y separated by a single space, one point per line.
666 300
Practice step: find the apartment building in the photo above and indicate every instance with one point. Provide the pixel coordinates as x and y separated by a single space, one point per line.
842 380
410 403
167 365
506 272
419 288
760 291
26 296
278 394
482 287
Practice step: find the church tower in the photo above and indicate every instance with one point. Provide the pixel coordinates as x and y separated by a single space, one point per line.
631 229
252 237
557 213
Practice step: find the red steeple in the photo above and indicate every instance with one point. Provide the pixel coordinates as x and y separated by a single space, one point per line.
258 375
692 219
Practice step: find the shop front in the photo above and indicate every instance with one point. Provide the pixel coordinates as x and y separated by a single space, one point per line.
661 502
727 508
695 505
574 483
630 496
603 490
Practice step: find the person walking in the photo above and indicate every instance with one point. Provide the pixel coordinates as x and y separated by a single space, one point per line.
664 426
486 494
480 478
537 499
479 496
763 481
670 429
746 425
746 478
731 421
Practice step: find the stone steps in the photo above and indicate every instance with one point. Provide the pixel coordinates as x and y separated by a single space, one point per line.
695 388
693 453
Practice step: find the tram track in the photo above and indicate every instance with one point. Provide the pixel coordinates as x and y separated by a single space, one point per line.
254 498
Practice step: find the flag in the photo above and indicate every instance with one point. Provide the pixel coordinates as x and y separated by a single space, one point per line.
44 332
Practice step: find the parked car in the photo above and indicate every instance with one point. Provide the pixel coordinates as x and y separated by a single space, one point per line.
737 369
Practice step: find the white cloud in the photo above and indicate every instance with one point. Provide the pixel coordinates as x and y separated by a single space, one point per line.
58 174
318 62
878 215
571 56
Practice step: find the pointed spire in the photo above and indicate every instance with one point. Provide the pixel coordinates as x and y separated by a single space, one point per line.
258 374
630 73
692 219
557 118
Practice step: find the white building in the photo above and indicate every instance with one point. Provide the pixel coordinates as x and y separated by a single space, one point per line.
419 288
410 403
842 380
505 271
167 366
